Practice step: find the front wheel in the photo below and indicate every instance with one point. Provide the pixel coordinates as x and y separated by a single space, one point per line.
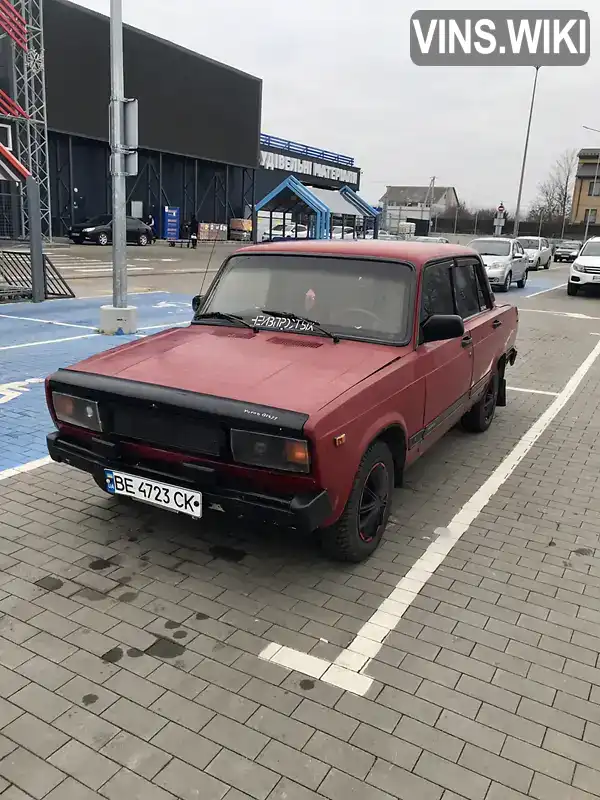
102 239
572 289
143 239
547 266
481 416
358 532
523 281
506 285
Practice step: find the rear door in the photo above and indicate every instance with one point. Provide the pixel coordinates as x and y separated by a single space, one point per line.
447 366
475 305
520 262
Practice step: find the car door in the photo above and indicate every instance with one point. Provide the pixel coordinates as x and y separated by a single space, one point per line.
475 304
520 261
133 227
546 252
447 366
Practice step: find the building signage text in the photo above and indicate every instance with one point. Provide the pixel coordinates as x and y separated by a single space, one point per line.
304 166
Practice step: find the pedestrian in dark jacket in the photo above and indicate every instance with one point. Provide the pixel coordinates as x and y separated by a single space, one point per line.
193 232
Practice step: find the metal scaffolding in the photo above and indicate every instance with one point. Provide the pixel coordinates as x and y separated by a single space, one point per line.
31 132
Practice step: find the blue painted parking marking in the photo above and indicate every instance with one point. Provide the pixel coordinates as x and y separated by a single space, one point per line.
36 340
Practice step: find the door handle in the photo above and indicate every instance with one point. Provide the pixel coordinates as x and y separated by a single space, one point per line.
496 323
467 340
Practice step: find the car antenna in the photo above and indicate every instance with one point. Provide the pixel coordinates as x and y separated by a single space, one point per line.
212 252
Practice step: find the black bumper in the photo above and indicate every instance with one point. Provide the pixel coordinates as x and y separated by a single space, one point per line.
304 511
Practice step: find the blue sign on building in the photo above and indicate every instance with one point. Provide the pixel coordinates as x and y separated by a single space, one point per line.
172 222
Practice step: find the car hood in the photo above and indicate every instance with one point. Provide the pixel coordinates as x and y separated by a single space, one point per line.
488 260
296 372
589 261
532 251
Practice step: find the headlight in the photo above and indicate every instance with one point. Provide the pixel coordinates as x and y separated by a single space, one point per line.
89 230
272 452
496 265
77 411
578 267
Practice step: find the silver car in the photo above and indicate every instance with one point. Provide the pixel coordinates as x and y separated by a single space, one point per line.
538 251
505 261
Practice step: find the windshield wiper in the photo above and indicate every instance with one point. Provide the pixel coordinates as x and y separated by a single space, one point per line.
227 317
295 318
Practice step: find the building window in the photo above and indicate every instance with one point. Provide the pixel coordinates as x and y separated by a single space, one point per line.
594 189
590 216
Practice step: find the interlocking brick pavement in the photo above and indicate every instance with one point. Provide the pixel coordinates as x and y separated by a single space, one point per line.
130 638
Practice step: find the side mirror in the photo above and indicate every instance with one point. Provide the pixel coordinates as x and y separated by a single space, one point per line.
197 302
441 327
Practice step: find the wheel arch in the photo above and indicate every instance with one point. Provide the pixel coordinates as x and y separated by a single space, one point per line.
394 436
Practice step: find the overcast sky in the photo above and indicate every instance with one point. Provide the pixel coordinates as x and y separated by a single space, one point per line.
338 75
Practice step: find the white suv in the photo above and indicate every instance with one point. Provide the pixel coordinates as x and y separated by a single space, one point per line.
585 270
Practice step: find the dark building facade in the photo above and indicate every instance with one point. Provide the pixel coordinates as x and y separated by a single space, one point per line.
199 122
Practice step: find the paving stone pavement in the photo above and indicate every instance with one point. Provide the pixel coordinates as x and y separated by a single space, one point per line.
130 638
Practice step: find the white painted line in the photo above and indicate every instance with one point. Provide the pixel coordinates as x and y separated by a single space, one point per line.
166 325
531 391
10 473
129 294
49 341
50 322
105 269
570 314
369 639
553 289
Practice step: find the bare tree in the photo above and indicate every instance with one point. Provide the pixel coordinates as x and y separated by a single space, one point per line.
555 193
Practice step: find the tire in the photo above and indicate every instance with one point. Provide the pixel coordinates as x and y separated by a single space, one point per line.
572 289
102 239
506 285
536 266
547 265
343 541
143 240
523 281
481 416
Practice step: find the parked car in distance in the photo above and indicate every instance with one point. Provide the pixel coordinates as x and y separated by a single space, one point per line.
538 251
99 231
585 270
290 230
567 250
430 239
505 261
256 408
339 232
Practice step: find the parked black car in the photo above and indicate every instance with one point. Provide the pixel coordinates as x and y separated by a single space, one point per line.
567 251
99 231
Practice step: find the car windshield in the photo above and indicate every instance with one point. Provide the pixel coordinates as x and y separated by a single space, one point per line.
591 249
529 244
102 219
491 247
570 245
350 297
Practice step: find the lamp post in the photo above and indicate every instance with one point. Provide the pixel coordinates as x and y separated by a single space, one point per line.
523 165
587 222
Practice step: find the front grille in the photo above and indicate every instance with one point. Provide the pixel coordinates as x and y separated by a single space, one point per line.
593 270
173 430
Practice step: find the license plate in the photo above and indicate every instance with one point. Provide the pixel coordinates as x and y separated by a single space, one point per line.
596 277
163 495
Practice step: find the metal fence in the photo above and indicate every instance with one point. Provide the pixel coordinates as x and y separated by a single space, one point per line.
463 224
16 278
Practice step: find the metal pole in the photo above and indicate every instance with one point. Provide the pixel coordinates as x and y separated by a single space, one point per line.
456 220
540 227
587 222
38 281
117 99
475 225
518 211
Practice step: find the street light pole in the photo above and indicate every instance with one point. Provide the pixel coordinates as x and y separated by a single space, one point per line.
518 211
120 318
587 222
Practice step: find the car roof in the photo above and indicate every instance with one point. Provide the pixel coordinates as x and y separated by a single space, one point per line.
417 253
493 239
593 239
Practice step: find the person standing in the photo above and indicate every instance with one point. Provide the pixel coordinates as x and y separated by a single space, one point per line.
193 232
150 223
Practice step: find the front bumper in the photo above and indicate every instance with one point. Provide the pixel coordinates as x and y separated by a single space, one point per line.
584 278
304 511
497 278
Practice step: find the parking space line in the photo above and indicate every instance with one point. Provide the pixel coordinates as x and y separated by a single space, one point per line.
10 473
166 325
49 341
543 291
570 314
348 670
531 391
50 322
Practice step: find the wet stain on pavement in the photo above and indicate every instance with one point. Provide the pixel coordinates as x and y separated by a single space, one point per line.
135 652
170 625
200 615
128 597
227 553
90 594
165 648
307 685
89 699
49 583
584 551
551 543
113 656
180 634
99 564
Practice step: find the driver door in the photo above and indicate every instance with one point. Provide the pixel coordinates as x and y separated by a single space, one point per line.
448 365
520 262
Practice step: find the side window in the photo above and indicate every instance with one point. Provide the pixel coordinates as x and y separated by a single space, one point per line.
545 243
481 285
436 295
466 291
